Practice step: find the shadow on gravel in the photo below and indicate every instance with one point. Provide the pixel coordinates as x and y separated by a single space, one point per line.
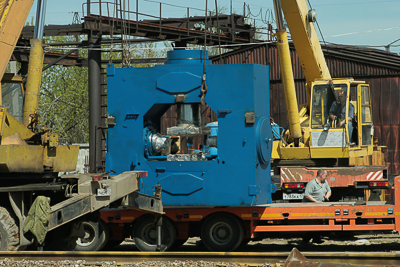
285 243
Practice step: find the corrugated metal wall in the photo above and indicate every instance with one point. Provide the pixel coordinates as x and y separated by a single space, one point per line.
385 103
379 69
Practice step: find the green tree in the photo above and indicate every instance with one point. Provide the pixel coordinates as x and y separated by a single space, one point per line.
64 101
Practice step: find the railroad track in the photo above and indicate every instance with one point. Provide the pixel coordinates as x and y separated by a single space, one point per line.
249 258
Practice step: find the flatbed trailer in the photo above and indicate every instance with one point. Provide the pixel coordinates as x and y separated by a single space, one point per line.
225 228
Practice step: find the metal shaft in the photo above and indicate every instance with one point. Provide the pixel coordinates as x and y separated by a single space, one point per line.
159 233
94 103
31 100
40 16
285 62
288 84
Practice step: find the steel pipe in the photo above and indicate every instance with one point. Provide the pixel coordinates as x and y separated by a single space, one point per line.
94 57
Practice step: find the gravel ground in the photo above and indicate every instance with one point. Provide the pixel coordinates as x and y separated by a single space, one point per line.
10 263
285 243
276 243
332 242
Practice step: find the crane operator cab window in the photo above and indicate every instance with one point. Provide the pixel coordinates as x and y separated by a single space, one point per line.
365 121
332 110
12 95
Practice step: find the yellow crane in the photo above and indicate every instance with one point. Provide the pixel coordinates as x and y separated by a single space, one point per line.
337 121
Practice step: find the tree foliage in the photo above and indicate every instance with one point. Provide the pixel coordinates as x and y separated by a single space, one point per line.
64 100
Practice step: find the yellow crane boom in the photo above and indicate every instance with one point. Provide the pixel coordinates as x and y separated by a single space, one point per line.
13 15
300 22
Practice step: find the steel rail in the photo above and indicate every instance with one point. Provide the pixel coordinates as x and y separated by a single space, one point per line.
249 258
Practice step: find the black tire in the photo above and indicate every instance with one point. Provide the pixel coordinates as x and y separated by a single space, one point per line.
96 236
222 232
145 234
9 232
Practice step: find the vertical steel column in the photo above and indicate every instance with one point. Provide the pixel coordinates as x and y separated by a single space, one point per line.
137 15
88 8
40 16
94 102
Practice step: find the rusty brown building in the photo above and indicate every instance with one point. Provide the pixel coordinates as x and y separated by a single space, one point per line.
378 68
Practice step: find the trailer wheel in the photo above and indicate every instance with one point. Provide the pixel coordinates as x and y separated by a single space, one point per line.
96 236
222 232
9 231
145 234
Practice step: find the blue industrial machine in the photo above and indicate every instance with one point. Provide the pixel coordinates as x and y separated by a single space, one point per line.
233 165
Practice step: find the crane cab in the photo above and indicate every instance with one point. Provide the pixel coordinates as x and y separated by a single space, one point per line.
340 124
337 124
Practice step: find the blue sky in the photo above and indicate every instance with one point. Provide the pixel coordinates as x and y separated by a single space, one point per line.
351 22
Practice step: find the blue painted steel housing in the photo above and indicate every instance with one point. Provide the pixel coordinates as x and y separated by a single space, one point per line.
240 174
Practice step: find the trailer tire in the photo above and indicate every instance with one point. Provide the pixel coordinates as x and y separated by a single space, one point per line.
96 236
9 232
145 234
222 232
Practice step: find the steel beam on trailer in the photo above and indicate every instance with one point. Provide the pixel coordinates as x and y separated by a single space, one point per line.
296 228
34 187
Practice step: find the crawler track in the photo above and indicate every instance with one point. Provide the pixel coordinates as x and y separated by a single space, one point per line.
248 258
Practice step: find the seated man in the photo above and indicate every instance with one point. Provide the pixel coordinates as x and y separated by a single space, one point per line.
317 190
338 111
